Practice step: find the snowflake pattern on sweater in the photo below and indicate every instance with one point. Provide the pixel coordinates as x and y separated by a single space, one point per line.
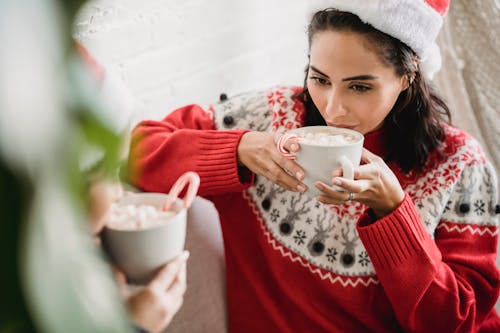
448 195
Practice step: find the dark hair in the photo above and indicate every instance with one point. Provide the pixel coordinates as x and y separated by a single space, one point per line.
414 125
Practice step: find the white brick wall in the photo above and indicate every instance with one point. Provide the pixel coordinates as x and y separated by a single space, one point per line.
172 53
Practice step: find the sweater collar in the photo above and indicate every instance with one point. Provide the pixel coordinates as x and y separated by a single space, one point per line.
375 142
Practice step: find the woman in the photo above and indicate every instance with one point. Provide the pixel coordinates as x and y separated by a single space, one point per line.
409 245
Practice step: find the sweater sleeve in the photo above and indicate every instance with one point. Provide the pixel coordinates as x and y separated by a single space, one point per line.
446 284
186 140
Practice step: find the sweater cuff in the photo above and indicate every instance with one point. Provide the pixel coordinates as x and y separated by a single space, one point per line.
218 165
397 237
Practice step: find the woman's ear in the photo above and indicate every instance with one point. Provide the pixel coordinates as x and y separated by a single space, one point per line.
406 80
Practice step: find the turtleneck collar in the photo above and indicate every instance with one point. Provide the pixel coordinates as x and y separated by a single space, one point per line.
375 142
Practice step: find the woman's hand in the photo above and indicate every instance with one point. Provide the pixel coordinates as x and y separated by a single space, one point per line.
153 307
257 151
102 193
374 184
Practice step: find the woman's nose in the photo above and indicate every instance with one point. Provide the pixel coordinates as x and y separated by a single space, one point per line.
334 106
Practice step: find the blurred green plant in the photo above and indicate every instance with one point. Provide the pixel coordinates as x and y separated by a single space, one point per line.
54 279
15 198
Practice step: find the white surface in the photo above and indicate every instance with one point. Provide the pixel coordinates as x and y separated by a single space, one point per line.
170 54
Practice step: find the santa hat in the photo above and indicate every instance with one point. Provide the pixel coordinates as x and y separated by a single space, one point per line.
414 22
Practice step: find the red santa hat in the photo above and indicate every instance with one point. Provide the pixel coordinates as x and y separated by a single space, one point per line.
414 22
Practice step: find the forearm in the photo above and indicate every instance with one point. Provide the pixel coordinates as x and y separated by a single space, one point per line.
445 285
185 141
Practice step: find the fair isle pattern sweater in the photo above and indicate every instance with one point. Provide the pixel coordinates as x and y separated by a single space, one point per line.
296 265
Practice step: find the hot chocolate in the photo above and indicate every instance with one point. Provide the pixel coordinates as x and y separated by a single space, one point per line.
137 217
326 138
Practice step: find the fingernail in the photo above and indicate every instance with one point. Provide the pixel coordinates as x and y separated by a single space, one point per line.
319 185
301 188
336 181
294 146
185 256
299 175
336 173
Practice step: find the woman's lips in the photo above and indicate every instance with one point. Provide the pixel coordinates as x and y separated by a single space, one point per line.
342 126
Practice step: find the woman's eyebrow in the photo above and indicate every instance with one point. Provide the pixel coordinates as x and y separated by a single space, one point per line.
317 71
363 77
360 78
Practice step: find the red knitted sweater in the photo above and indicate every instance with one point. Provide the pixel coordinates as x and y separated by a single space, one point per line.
295 265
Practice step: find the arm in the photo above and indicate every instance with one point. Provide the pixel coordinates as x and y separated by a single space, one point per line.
186 140
226 160
449 284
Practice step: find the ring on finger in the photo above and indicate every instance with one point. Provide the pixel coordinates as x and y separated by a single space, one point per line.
350 197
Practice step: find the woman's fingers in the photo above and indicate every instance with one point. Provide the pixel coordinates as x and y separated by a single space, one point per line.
121 280
119 276
286 146
282 171
369 157
154 306
374 184
293 173
258 152
101 195
336 195
283 178
292 145
340 188
178 287
166 276
364 171
330 196
270 169
286 142
354 186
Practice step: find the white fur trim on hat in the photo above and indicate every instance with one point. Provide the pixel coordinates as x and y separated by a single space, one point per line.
413 22
431 64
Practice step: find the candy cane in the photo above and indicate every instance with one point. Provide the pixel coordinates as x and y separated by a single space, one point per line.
281 145
193 181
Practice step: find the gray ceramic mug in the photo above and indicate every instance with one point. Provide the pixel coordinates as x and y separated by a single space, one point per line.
140 253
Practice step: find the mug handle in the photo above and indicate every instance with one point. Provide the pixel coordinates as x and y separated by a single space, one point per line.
193 180
347 167
347 170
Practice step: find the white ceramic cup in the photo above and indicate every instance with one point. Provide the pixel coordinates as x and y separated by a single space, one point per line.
318 161
140 253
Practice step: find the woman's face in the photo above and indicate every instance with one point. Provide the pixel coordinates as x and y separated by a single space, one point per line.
348 83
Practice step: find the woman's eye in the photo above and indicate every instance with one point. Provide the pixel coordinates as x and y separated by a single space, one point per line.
360 88
319 80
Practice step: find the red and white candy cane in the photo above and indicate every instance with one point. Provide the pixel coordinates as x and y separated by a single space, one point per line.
193 181
281 145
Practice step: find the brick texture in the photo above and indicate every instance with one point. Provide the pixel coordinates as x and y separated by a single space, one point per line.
169 54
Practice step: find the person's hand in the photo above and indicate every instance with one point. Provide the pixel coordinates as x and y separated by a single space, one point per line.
102 193
153 307
374 184
257 151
